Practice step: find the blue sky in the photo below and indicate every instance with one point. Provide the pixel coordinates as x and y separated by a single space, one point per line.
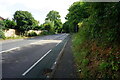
38 8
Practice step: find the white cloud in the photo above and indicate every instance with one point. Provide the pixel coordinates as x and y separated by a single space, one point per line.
39 8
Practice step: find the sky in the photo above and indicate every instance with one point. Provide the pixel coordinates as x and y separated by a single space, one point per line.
38 8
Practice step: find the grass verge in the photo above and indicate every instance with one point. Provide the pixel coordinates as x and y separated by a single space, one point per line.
12 38
95 61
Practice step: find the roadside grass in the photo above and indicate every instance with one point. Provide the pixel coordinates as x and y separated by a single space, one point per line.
94 61
46 33
29 35
1 39
11 38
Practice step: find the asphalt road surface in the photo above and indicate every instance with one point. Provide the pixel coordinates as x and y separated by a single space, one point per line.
31 58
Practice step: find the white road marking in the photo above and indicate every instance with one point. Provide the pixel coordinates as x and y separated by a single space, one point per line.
41 42
29 69
59 56
10 49
36 63
57 44
33 44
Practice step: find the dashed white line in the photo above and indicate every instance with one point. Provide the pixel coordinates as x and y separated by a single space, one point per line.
10 49
35 63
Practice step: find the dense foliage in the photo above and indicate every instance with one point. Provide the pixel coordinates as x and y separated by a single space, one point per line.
10 24
25 21
2 24
77 12
96 45
54 17
49 26
32 34
2 27
66 27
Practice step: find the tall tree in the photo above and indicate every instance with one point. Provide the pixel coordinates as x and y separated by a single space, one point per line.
55 18
25 21
77 12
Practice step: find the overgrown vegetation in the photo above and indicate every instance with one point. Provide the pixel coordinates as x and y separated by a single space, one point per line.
97 44
32 34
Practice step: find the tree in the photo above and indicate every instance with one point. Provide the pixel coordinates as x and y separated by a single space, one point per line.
2 27
25 21
66 27
55 18
77 12
49 26
10 24
2 24
37 27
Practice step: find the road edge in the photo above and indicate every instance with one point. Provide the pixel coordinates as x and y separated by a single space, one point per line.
53 68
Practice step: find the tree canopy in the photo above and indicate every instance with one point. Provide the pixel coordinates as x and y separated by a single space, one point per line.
77 12
49 26
9 23
66 27
55 18
25 21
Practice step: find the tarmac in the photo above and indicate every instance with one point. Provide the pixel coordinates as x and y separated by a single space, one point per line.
66 66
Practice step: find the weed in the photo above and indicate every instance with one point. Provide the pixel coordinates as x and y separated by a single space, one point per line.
103 65
85 62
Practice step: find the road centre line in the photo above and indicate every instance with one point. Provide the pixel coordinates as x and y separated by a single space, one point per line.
26 45
22 46
17 47
10 49
36 63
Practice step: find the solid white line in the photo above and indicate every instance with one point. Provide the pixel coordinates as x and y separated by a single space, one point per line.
57 44
59 56
10 49
35 64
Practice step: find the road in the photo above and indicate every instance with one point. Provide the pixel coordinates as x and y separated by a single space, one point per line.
31 58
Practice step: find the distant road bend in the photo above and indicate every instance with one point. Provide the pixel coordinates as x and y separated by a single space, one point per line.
29 58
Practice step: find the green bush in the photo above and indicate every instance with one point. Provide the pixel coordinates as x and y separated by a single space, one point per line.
2 34
44 33
32 34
